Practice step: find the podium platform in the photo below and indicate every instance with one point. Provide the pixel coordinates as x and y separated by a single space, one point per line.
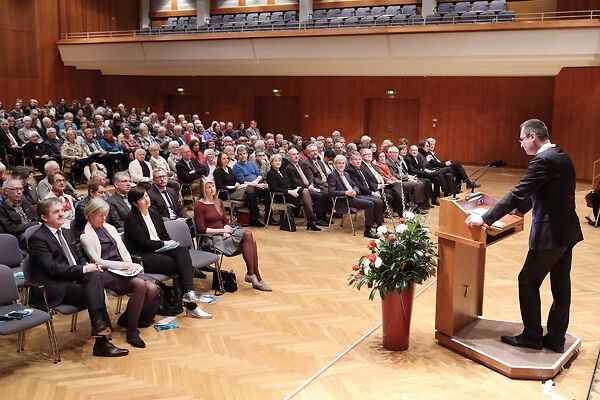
459 298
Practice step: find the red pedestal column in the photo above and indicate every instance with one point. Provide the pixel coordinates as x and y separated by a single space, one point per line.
396 311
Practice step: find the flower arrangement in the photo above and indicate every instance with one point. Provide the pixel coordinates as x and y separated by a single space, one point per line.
400 257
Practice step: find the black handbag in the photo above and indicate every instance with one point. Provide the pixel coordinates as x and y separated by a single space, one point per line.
170 303
287 223
224 281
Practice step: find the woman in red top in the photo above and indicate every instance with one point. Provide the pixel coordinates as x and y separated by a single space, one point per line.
210 219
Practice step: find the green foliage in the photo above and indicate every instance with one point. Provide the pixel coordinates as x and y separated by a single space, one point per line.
397 259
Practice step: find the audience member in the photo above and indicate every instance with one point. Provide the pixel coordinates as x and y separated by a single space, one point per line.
163 199
58 182
190 171
16 214
119 203
247 173
140 170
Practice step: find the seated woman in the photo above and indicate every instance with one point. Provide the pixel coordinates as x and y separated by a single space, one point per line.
224 180
103 245
211 220
141 170
211 161
174 156
145 233
278 182
196 152
74 157
58 182
128 142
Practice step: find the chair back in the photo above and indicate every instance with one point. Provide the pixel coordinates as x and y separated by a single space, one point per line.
29 231
8 287
26 267
180 232
10 253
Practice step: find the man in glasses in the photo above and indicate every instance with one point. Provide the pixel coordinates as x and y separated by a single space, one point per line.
16 214
548 189
163 199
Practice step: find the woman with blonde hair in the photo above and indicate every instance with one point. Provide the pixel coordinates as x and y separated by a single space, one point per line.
211 220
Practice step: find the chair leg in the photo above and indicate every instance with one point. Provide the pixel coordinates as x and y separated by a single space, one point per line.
74 322
20 341
52 347
332 212
55 340
269 217
119 304
351 222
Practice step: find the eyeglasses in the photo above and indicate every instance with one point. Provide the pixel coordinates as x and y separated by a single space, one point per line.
524 137
17 189
60 180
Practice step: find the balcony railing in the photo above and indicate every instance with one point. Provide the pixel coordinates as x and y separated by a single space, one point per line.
343 23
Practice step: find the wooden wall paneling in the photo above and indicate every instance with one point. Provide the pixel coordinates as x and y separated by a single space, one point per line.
576 118
278 114
98 15
392 118
577 5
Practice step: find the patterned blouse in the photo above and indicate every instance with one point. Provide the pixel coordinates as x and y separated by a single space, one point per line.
70 150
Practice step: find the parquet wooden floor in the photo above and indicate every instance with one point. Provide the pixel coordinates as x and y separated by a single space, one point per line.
265 345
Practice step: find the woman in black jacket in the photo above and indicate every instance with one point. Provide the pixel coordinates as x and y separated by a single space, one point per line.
145 233
278 182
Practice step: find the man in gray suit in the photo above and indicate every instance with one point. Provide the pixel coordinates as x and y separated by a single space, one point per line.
119 205
548 188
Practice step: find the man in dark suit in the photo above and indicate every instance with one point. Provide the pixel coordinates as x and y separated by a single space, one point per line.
119 205
418 189
58 265
298 174
367 188
548 188
418 165
190 171
11 144
426 147
340 184
392 192
163 199
16 215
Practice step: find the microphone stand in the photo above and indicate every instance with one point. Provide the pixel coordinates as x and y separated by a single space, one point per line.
485 169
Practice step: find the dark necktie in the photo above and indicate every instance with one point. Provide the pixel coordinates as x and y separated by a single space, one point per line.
363 177
190 166
169 203
145 169
65 248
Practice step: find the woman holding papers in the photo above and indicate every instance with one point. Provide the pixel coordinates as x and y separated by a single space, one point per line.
146 236
104 246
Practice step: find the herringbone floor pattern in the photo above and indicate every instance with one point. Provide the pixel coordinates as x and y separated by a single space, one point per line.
264 345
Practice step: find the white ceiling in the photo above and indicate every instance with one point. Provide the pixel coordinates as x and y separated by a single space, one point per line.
534 52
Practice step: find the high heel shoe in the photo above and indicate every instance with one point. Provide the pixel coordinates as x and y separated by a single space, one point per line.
312 227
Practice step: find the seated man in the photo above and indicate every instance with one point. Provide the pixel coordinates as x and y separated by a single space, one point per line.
297 173
367 188
419 166
392 191
163 199
248 173
58 265
119 204
16 214
393 168
190 171
460 175
37 151
316 172
10 143
339 183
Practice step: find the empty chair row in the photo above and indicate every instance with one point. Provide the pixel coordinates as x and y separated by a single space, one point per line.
362 12
285 16
181 21
470 17
476 7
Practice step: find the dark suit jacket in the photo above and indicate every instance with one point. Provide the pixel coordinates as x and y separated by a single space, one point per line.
49 265
183 171
549 188
159 204
5 141
118 210
293 175
279 183
416 166
365 186
11 223
313 174
336 186
433 163
137 237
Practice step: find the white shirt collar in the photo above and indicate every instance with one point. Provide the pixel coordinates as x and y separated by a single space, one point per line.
53 230
545 147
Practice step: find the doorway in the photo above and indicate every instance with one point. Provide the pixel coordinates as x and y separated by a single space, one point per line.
392 119
278 114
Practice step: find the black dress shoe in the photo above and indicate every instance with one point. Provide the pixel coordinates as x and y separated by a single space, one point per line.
555 347
99 329
322 222
255 222
435 201
136 342
312 227
199 274
522 341
472 185
370 234
109 350
273 222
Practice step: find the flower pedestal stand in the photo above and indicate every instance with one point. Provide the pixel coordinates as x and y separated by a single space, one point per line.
396 312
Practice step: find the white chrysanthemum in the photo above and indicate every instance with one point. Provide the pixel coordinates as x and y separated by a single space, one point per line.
401 228
365 263
377 263
408 215
377 241
366 270
382 229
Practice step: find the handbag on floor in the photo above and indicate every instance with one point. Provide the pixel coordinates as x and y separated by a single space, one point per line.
287 224
224 281
170 303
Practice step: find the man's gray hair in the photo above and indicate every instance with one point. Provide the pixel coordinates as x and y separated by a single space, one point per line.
340 157
50 164
241 149
119 176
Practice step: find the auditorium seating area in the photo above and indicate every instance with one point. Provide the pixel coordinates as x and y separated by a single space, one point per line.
377 16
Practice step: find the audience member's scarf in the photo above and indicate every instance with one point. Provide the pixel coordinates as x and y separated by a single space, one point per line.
65 200
110 140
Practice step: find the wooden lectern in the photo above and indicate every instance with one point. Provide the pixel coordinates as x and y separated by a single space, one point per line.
459 301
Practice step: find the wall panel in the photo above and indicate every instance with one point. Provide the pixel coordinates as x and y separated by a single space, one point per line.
576 118
577 5
478 118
